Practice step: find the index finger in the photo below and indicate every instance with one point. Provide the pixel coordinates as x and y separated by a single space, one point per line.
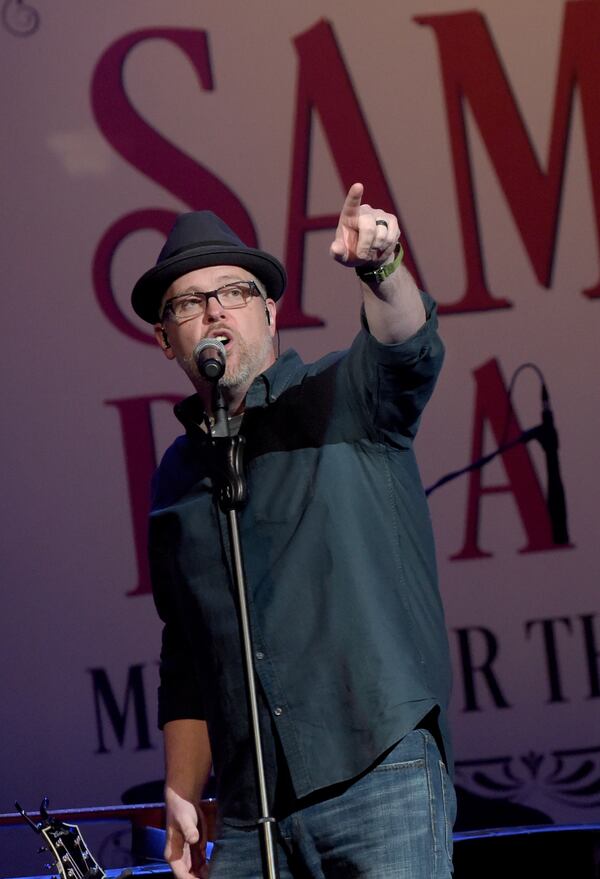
352 201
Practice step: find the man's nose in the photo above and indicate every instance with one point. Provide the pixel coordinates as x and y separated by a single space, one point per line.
214 309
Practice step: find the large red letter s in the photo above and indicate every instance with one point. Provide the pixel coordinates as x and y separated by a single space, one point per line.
143 147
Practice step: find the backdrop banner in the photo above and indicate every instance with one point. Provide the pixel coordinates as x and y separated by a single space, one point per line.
479 126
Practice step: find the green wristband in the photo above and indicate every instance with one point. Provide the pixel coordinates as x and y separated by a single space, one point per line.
376 276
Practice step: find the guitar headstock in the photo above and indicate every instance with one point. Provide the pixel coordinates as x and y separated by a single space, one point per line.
65 843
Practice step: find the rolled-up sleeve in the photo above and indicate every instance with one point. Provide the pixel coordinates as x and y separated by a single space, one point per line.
394 382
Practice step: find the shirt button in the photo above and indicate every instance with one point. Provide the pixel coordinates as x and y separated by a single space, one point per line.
259 654
278 711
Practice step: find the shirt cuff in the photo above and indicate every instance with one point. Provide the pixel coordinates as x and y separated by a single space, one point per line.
412 349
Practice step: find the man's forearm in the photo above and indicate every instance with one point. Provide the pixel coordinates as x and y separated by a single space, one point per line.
394 308
188 757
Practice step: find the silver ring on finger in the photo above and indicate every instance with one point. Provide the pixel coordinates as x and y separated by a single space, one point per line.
381 223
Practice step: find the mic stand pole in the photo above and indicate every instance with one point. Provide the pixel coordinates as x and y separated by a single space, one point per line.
556 494
232 494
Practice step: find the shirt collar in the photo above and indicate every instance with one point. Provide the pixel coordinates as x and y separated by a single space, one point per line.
265 389
271 383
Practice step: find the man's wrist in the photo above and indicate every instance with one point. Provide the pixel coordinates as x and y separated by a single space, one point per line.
379 274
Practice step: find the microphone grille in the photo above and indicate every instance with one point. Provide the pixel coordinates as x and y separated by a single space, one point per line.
203 344
210 358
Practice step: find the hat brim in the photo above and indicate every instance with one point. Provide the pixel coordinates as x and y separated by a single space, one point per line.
151 287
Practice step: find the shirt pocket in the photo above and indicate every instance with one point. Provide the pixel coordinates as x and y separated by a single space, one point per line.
281 485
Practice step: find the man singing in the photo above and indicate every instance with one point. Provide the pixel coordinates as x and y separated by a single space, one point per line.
350 650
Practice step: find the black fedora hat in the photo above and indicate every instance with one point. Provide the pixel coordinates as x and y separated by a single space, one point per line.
197 240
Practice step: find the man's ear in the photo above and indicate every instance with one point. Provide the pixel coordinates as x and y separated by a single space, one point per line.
161 337
271 315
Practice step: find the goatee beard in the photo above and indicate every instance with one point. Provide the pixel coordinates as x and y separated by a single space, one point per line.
252 360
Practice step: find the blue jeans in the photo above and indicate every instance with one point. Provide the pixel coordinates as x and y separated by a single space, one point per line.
395 821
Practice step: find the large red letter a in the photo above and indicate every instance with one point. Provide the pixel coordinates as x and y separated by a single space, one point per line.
493 404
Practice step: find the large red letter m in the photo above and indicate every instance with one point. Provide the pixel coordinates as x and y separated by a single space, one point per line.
473 72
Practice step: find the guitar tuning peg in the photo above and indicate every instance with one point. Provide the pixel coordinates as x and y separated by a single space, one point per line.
22 811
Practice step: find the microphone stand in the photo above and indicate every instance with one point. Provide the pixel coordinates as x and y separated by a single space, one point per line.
545 433
232 493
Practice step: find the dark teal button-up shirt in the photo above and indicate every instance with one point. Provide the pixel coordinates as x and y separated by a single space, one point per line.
348 631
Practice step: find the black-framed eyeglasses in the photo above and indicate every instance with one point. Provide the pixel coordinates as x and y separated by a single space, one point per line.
194 303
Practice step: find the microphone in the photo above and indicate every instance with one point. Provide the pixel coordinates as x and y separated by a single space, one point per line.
557 508
210 358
